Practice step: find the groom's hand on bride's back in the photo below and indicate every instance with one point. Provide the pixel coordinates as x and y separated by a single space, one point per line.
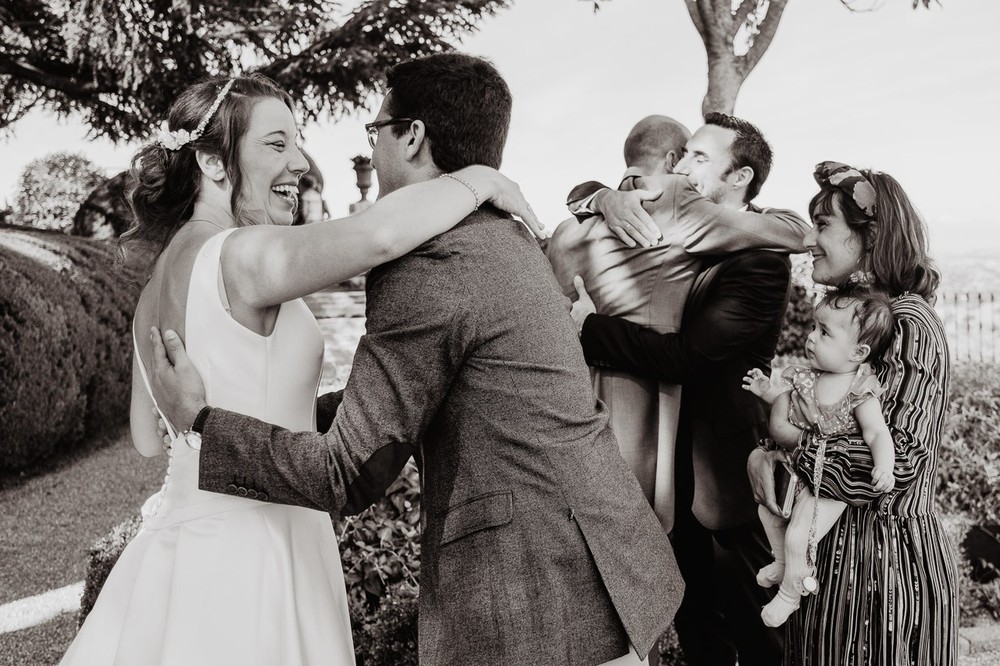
177 386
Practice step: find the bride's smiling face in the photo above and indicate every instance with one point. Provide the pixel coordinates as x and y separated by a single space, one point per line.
271 163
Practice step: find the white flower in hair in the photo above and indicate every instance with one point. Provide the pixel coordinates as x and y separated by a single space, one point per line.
863 278
173 140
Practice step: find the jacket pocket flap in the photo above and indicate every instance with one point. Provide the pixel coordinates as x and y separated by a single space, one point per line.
478 513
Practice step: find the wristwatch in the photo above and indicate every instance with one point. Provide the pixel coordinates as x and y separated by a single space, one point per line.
193 439
193 436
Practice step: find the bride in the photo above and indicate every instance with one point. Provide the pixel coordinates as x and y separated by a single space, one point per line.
219 579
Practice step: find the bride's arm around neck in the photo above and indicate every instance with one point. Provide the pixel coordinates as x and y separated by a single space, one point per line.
269 265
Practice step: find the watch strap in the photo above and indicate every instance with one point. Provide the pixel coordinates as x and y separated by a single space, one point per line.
199 421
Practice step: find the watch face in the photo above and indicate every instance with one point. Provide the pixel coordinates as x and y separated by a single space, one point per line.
193 440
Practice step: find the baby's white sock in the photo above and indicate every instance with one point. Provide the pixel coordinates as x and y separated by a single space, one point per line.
780 608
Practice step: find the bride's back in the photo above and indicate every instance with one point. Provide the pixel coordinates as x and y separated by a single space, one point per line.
163 300
272 376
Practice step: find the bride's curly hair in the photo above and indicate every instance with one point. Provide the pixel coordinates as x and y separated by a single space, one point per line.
164 184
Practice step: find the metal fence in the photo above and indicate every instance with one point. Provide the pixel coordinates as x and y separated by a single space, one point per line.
970 322
970 319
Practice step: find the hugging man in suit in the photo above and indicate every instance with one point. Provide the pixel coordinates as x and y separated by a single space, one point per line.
538 546
649 285
731 322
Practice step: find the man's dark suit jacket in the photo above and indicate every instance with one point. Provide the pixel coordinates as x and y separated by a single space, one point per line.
731 323
539 546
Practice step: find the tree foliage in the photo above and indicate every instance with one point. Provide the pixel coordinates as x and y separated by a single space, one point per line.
52 188
119 63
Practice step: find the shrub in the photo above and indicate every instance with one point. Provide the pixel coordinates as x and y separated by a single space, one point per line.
52 188
670 650
969 469
387 637
797 324
380 552
967 483
103 556
65 343
380 547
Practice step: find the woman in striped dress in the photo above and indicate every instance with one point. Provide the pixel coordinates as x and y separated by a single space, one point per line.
890 584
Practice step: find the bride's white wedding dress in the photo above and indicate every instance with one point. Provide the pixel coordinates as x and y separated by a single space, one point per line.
217 579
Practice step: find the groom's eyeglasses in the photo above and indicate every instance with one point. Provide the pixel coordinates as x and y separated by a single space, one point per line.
372 128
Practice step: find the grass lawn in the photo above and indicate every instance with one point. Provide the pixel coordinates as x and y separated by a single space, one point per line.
51 516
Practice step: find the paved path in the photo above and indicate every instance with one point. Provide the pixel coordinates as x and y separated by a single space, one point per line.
40 608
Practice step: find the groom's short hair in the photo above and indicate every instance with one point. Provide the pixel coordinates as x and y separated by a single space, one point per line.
749 148
463 102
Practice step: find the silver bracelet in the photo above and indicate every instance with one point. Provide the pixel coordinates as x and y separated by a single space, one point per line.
479 201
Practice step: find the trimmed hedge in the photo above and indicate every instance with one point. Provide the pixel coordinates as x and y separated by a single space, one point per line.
65 343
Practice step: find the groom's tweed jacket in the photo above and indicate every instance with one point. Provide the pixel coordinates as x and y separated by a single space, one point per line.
538 546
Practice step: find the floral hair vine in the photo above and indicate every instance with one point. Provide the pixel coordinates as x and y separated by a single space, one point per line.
174 140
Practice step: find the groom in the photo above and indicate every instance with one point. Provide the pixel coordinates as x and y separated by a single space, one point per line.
539 546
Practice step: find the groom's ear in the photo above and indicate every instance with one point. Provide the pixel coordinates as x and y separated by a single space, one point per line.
416 140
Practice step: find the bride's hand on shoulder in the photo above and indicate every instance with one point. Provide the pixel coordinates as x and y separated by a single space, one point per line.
502 192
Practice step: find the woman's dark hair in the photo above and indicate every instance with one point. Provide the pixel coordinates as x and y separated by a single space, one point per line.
894 240
164 184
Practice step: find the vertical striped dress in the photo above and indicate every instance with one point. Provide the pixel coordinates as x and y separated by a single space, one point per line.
889 590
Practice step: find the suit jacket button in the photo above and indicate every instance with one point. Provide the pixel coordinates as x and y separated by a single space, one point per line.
252 494
242 492
231 489
262 497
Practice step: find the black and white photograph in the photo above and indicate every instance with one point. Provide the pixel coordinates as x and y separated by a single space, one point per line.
499 333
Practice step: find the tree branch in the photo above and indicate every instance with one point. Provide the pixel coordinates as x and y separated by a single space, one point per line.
694 11
742 14
29 72
763 39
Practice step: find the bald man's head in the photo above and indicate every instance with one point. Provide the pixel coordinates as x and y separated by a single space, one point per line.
655 144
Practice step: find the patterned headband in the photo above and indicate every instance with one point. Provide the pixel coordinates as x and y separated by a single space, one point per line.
174 140
850 181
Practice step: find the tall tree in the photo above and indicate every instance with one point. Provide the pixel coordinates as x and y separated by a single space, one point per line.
119 63
736 34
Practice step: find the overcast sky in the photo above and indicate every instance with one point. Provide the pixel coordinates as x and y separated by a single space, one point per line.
907 92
